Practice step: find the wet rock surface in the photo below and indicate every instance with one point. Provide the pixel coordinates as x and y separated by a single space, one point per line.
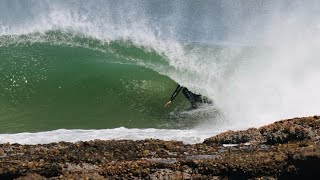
288 149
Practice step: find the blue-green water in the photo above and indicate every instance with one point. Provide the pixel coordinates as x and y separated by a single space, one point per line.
45 85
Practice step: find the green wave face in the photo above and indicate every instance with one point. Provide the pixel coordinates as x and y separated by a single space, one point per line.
79 82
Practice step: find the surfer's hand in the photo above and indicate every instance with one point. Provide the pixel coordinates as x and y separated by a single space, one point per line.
167 104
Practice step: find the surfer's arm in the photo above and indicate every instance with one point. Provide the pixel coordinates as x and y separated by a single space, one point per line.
174 95
176 92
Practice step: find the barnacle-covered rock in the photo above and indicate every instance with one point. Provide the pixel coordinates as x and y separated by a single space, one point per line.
287 149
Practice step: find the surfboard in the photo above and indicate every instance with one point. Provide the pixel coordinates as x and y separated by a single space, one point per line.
203 110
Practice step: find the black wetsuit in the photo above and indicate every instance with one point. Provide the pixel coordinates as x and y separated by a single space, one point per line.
193 98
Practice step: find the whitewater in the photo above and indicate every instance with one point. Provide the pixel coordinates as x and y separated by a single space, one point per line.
78 70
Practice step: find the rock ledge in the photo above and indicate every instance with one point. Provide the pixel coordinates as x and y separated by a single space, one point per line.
287 149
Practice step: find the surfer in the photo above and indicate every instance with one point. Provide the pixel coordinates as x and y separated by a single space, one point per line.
192 97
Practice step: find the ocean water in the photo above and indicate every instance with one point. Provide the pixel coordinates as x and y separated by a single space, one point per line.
79 70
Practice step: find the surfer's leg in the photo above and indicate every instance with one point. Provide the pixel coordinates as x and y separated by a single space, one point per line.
190 96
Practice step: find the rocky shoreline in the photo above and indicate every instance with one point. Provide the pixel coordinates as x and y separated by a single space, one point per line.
287 149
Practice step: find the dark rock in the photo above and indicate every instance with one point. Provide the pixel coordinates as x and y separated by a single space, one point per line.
287 149
297 129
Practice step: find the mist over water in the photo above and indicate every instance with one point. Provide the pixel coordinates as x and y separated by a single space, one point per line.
258 60
283 81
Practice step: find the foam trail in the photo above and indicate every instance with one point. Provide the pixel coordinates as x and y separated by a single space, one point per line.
186 136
